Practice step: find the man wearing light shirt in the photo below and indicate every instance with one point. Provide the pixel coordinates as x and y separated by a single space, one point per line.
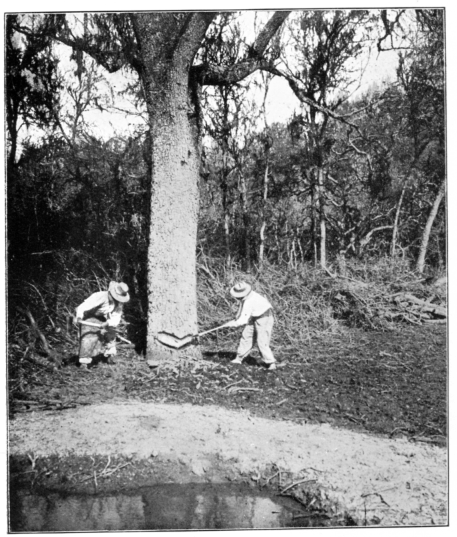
255 312
104 309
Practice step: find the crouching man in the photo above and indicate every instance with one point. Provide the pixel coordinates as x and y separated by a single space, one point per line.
256 313
104 309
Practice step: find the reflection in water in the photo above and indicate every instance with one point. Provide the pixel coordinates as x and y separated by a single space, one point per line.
190 506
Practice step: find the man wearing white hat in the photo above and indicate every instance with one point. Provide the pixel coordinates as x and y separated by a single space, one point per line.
256 313
103 308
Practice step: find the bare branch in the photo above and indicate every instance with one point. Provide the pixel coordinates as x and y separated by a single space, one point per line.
214 75
360 152
389 28
270 29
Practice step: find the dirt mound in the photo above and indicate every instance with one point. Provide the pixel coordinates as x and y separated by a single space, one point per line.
390 480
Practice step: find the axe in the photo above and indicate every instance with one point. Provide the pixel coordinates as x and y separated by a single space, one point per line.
95 325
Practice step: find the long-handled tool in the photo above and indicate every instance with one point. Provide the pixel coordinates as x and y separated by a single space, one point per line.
95 325
177 342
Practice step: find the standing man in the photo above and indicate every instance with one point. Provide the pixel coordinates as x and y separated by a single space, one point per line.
103 308
256 312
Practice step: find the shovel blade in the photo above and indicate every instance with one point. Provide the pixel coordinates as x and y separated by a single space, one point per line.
172 341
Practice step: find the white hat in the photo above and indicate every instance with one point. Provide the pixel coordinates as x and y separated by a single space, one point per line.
119 291
240 290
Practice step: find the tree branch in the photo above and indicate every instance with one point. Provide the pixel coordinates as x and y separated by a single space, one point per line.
218 75
363 153
192 32
111 60
269 30
365 240
388 30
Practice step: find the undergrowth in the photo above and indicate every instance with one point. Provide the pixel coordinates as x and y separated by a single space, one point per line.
310 305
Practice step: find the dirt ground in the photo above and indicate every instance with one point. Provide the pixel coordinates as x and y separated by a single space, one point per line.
360 422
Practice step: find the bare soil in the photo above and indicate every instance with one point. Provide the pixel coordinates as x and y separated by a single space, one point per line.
360 421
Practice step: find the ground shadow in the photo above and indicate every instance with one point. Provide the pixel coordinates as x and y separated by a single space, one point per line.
226 357
73 360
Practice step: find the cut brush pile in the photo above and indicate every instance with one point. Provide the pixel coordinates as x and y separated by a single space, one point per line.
313 304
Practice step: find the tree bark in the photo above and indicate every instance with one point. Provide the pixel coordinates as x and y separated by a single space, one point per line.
322 220
264 222
246 222
313 201
393 244
420 265
172 292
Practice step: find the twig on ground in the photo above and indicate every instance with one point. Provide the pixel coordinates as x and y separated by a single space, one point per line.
397 430
236 390
290 387
32 458
352 418
297 483
377 492
230 385
268 479
104 473
311 468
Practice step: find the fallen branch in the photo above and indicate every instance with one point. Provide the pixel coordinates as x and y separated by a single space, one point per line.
378 491
353 419
47 349
334 276
297 483
104 473
379 496
268 479
236 390
290 387
230 385
45 405
33 360
425 306
429 440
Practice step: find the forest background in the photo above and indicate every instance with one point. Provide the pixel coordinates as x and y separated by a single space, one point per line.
350 187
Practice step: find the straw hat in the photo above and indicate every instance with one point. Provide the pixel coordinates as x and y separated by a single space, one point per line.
119 291
240 290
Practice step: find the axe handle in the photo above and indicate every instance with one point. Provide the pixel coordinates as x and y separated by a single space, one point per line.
95 325
212 330
86 323
123 339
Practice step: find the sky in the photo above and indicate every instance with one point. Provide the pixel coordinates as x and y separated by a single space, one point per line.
280 106
281 101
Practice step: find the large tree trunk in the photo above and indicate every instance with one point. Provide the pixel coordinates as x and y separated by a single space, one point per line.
428 228
167 45
172 292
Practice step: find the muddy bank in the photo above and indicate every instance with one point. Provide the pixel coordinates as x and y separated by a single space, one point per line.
389 481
